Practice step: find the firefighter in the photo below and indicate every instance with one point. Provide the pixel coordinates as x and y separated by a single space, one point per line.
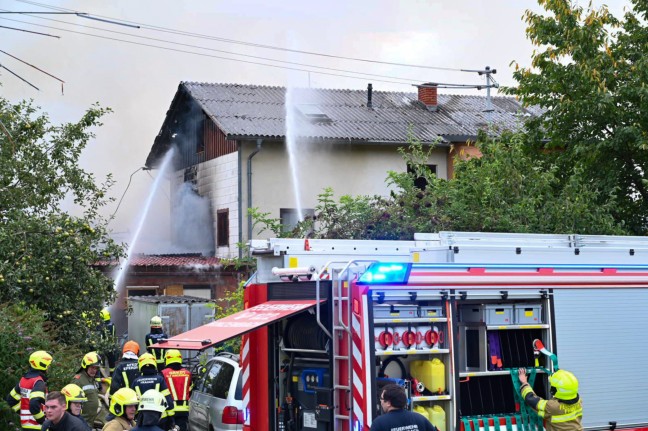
109 339
155 336
564 411
86 379
123 407
58 418
178 380
150 379
28 396
151 408
393 401
127 370
75 399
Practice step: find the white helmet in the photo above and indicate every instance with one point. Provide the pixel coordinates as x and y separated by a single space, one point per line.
153 401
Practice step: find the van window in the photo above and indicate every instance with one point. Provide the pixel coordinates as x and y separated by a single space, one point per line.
239 387
219 379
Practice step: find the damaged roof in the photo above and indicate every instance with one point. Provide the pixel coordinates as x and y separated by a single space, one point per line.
257 111
191 261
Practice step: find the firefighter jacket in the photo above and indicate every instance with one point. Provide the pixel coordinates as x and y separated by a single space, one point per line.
91 388
119 423
178 380
124 375
558 415
154 337
150 379
28 399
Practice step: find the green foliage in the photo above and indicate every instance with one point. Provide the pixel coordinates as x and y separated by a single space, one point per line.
589 73
231 303
45 252
23 330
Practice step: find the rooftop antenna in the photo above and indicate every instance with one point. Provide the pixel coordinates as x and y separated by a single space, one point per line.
490 83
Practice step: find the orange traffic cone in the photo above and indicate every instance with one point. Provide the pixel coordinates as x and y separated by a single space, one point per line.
306 245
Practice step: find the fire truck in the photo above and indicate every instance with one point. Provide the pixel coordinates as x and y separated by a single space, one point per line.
449 316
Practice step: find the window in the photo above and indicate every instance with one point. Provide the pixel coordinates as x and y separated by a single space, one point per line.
222 228
141 290
218 379
421 182
290 217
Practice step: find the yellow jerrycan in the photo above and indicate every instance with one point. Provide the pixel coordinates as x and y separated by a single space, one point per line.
437 417
421 410
430 373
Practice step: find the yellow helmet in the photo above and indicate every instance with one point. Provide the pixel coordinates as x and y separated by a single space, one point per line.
565 383
91 359
40 360
73 394
146 359
156 322
105 314
122 398
173 356
153 401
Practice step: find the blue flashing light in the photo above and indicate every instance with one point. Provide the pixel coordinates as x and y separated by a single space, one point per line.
386 273
357 426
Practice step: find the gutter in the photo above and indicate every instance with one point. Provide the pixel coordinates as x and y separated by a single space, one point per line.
249 185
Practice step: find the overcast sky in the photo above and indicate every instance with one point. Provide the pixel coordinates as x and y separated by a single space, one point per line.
138 82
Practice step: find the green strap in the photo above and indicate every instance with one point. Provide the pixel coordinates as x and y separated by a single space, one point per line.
475 422
528 419
509 423
466 424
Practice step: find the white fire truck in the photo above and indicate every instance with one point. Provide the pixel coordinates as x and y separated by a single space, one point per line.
449 316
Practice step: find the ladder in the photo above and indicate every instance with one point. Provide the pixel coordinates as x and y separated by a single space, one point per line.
340 276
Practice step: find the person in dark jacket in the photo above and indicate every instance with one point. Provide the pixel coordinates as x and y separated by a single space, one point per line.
151 379
393 401
28 396
58 418
155 336
127 370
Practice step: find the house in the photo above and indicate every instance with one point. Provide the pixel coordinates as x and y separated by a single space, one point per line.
276 149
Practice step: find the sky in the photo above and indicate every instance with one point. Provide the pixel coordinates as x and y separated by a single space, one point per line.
111 65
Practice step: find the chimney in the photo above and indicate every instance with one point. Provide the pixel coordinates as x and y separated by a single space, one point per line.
427 93
369 91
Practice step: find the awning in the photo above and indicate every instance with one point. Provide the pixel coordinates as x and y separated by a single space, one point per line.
236 324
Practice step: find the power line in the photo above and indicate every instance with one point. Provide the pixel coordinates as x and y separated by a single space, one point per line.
28 64
209 55
409 80
124 194
28 31
254 44
18 76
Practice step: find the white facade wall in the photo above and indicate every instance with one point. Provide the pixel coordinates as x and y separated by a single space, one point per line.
348 169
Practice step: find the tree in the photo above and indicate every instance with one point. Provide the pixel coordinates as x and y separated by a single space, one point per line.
589 74
46 253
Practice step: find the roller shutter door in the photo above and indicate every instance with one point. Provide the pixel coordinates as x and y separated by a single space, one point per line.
602 337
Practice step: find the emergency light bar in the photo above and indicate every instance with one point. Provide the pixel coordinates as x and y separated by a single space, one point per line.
386 273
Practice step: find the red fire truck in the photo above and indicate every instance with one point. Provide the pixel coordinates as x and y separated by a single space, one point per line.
449 316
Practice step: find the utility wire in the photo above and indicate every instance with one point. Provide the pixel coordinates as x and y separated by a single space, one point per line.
28 31
18 76
209 55
409 80
28 64
253 44
124 194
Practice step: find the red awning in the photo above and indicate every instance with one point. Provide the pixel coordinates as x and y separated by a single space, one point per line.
236 324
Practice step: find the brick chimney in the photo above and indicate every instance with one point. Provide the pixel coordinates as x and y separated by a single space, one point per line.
427 94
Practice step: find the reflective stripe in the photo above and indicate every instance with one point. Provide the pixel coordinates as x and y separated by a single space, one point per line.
567 417
15 395
36 394
88 388
542 405
526 390
125 376
16 407
39 415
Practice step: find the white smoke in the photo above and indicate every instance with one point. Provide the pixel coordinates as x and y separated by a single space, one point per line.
192 227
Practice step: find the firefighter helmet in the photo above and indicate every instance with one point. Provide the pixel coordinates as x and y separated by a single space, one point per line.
565 384
131 346
156 322
105 314
40 360
153 401
173 356
146 359
73 394
122 398
91 359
